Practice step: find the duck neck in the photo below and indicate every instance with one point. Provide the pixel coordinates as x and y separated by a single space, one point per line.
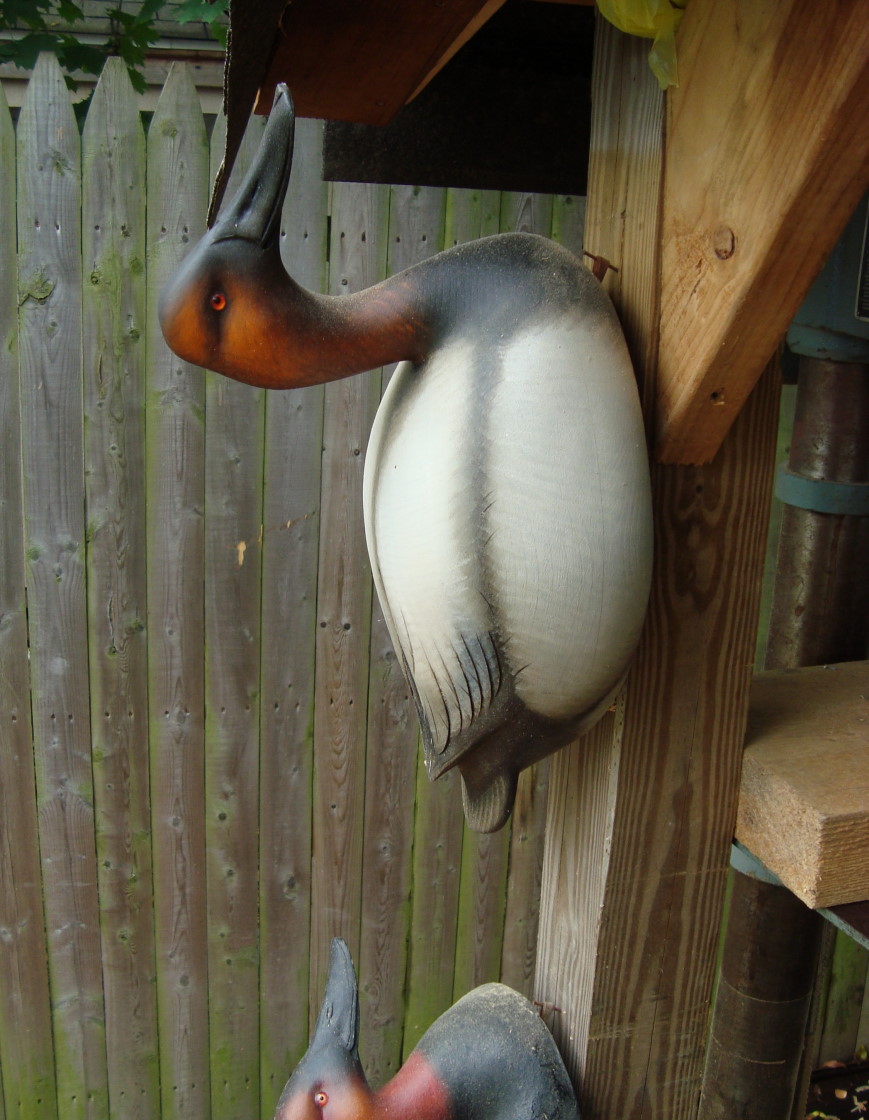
326 338
415 1093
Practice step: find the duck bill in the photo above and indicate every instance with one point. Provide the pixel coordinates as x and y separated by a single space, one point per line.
254 214
338 1022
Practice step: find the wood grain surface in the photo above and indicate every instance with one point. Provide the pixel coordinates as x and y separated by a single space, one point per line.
50 340
113 322
26 1046
767 159
177 155
804 794
633 884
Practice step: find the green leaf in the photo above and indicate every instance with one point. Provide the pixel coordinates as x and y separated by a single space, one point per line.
23 52
132 33
27 13
137 81
209 12
69 12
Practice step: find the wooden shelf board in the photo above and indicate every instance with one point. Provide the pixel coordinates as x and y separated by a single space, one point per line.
804 796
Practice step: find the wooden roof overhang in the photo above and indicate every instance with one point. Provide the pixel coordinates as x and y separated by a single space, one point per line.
767 157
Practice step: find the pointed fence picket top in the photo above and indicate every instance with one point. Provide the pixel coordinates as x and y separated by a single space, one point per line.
49 250
26 1045
233 517
177 189
113 272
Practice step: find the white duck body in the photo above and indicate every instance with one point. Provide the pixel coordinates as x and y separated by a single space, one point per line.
507 515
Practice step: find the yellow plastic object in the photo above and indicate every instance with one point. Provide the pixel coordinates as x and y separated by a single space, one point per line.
652 19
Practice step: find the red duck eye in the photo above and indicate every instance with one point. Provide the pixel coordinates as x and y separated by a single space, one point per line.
218 301
320 1099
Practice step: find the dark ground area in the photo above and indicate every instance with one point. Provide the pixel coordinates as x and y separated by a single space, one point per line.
839 1092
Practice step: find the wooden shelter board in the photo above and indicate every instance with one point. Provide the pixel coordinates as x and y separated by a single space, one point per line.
26 1045
49 247
804 795
113 275
290 549
177 154
361 60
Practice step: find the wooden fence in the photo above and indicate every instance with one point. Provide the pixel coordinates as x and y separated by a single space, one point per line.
209 761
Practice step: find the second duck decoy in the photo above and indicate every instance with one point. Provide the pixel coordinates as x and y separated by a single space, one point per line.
506 489
489 1057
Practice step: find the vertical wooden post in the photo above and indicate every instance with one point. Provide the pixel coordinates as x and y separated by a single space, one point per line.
641 811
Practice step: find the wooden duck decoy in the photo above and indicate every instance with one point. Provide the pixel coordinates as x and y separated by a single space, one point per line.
489 1057
506 488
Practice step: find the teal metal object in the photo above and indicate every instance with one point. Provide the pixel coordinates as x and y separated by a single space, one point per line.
848 498
827 324
745 861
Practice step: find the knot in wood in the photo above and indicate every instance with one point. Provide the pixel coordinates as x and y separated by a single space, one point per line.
724 242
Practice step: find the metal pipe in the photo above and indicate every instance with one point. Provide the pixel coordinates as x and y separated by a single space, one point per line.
820 609
820 614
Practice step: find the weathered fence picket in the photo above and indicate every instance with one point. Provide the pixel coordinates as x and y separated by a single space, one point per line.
416 231
233 516
177 199
49 258
224 750
344 596
290 538
113 328
26 1050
